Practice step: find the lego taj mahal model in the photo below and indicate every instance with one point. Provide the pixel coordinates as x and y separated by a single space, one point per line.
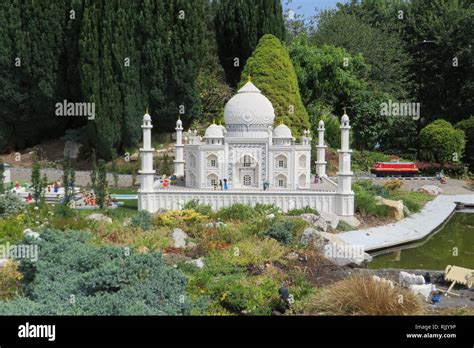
250 161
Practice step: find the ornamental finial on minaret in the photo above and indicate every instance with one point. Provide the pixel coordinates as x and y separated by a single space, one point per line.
345 119
249 78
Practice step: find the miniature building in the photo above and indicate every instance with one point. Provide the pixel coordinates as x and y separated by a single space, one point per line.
258 162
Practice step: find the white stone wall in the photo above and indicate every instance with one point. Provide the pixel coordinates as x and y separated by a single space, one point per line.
287 200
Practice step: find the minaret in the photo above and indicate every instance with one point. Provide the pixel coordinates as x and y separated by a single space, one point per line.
321 151
147 173
346 195
179 150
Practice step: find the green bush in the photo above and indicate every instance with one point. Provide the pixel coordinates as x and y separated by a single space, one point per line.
441 142
11 229
305 210
282 231
64 211
366 204
468 127
74 277
10 204
142 219
236 212
198 207
362 161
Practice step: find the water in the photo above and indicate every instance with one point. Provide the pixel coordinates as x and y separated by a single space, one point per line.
456 237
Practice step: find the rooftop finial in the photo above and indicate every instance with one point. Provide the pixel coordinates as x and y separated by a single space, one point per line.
146 110
345 112
250 78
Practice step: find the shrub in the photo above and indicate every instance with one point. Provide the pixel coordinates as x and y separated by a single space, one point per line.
364 160
440 141
104 280
142 219
366 204
305 210
10 204
64 211
361 295
202 209
392 185
468 127
281 231
10 279
236 212
177 217
11 229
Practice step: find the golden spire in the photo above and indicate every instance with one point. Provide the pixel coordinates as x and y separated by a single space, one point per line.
146 110
250 78
344 108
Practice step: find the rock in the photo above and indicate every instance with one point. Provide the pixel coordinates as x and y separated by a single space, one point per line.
315 221
351 220
199 263
3 262
179 238
341 253
406 211
99 218
309 236
29 233
406 279
331 218
72 149
270 216
424 290
395 208
292 256
431 190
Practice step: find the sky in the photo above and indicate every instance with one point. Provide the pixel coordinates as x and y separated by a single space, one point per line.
308 6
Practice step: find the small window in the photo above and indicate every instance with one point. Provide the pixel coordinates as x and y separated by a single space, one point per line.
281 183
247 180
213 182
247 161
213 163
281 164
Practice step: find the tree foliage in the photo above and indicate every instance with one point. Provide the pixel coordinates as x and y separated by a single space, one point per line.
239 26
273 73
441 142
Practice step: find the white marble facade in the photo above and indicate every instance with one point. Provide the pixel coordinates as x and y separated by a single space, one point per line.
246 153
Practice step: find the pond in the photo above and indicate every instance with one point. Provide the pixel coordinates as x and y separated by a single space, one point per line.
453 244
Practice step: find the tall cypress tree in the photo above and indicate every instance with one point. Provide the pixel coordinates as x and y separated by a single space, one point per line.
239 26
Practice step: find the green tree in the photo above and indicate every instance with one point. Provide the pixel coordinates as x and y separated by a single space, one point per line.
101 192
441 142
383 51
273 73
239 26
114 168
94 170
468 127
2 178
36 181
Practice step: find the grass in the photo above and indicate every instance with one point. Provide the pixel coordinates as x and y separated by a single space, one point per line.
361 295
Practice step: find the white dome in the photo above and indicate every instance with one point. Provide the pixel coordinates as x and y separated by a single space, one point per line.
345 118
179 122
282 131
213 131
249 107
146 117
321 124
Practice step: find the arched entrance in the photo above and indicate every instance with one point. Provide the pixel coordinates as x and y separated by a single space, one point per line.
246 172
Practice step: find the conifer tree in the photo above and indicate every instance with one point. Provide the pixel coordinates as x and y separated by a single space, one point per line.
36 181
272 71
101 192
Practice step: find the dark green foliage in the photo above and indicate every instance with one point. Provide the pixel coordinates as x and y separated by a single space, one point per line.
468 127
74 277
94 170
142 219
273 73
366 204
281 231
239 26
101 192
441 142
114 168
305 210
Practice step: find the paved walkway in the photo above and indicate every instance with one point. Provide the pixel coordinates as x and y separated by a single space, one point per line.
409 229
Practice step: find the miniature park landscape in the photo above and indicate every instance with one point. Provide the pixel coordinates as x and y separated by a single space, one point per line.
248 207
